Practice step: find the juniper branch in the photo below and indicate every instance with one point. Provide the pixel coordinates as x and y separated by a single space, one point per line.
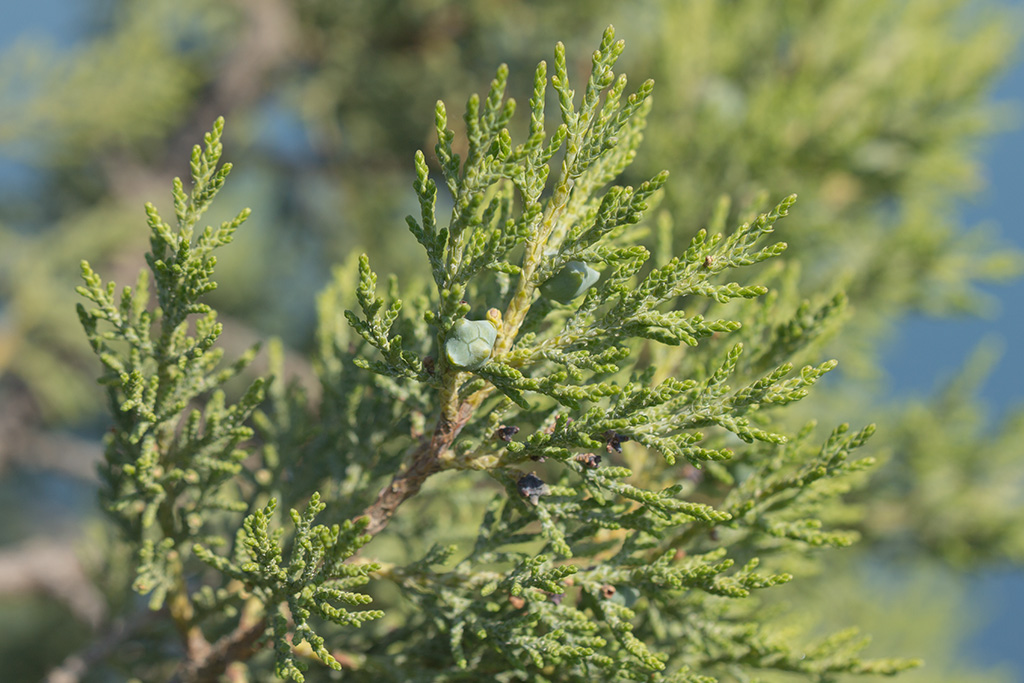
237 646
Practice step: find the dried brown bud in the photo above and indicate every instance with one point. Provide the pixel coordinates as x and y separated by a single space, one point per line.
504 433
533 487
550 429
588 460
614 440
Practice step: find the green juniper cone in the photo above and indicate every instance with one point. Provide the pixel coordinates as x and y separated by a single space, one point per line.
470 342
574 280
625 453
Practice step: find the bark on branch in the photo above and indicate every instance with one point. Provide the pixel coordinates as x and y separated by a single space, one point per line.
426 460
237 646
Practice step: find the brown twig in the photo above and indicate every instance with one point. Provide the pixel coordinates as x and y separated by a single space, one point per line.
426 460
237 646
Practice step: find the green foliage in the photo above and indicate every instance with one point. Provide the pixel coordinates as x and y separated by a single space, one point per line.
314 578
171 469
617 558
638 448
167 465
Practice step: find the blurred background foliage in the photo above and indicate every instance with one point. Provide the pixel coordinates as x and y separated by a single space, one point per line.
872 111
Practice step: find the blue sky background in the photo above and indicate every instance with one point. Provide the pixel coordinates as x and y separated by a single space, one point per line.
998 594
915 373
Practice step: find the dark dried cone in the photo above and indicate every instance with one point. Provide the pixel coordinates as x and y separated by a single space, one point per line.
614 441
505 433
531 486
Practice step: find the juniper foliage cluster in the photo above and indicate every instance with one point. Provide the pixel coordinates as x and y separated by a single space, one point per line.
633 506
873 111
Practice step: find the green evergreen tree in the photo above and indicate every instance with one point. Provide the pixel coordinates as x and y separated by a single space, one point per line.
635 444
606 572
